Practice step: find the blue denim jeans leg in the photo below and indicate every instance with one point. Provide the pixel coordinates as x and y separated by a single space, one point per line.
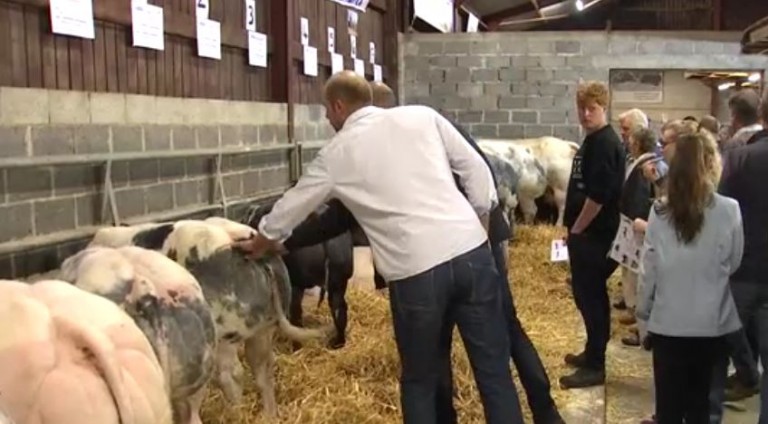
463 290
530 369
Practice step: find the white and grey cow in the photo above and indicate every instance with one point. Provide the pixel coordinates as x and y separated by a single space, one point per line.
520 177
247 298
167 303
553 158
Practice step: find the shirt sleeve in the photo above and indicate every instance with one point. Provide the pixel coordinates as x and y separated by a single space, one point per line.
330 223
312 190
737 241
648 275
603 169
474 174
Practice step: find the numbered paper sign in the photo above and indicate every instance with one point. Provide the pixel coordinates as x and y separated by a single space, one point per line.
257 49
559 251
337 63
377 73
310 61
201 9
73 17
209 39
147 25
331 40
250 15
372 52
353 46
360 67
304 31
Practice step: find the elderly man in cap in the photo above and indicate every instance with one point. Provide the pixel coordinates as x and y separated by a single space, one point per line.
392 168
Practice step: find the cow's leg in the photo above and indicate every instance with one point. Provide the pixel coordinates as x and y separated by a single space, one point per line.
528 206
297 313
337 290
560 202
188 410
258 351
228 371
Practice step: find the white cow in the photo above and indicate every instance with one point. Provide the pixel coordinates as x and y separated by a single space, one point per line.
531 178
68 356
556 157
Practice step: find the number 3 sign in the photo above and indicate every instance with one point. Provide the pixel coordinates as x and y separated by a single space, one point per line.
250 15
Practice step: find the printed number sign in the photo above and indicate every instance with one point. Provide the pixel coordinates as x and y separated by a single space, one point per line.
250 15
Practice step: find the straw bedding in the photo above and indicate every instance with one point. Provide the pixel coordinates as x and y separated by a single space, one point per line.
358 383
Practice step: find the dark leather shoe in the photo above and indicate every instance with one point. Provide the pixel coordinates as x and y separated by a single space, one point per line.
583 377
578 361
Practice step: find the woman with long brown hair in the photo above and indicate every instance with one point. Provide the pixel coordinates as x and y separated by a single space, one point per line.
694 242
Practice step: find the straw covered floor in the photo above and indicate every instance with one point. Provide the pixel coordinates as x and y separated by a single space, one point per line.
358 383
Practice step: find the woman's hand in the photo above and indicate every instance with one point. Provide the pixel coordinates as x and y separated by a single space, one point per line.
639 225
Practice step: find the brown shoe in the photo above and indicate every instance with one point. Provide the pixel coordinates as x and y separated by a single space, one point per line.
628 318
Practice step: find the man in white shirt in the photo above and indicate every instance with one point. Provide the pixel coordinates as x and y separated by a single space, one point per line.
392 168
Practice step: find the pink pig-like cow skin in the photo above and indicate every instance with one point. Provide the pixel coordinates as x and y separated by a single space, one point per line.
71 357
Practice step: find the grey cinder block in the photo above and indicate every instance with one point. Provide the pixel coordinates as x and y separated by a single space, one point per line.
52 140
172 168
130 202
512 102
15 221
537 130
496 117
157 137
525 117
470 117
13 141
159 197
144 171
77 179
88 209
513 131
127 138
208 137
54 215
186 193
484 130
91 139
184 137
28 183
562 46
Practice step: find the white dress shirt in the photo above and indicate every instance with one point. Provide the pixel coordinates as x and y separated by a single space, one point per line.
392 168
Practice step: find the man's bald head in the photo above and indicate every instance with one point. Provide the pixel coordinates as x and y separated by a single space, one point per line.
345 92
349 88
383 96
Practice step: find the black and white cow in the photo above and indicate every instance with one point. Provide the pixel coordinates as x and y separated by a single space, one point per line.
247 298
167 304
329 264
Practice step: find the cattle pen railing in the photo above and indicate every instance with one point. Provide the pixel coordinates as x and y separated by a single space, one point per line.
109 203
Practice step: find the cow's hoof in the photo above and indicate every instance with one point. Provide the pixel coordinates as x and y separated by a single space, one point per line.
337 343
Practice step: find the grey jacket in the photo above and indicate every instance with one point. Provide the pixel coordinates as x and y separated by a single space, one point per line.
685 290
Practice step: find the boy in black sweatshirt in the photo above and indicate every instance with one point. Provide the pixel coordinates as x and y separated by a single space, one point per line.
592 219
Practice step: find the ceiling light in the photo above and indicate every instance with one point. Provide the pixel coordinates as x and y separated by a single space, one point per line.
579 5
754 77
725 86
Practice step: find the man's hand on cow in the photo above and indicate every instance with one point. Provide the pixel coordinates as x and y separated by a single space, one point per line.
258 246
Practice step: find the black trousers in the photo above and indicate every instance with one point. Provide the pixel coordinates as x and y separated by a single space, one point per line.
682 374
590 270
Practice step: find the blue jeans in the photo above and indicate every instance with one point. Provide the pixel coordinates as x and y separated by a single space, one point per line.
530 369
464 291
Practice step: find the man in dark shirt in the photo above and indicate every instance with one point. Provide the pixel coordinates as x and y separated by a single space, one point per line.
336 219
744 176
592 219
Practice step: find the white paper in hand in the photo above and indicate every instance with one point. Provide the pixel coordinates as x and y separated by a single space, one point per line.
559 252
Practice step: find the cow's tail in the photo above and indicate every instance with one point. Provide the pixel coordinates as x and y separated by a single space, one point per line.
294 333
327 270
101 348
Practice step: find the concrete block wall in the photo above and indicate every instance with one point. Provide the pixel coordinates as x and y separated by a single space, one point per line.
310 126
522 84
46 201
